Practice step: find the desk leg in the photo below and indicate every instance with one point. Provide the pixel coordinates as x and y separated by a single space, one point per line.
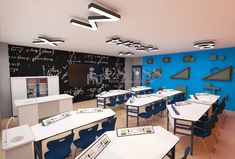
127 115
167 119
191 151
97 102
138 119
174 126
38 149
104 103
173 153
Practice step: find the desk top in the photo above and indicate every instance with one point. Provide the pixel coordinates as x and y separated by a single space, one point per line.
139 88
16 137
112 93
190 112
147 146
142 101
29 101
205 99
168 92
74 121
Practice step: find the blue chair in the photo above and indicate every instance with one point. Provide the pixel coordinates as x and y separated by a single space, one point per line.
59 148
121 99
86 137
147 114
156 108
205 131
186 152
107 126
162 107
128 95
141 92
112 101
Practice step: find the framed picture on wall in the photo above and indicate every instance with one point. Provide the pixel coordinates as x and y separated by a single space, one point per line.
149 61
166 59
188 59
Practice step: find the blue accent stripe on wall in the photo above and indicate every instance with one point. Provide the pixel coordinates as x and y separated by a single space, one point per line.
198 70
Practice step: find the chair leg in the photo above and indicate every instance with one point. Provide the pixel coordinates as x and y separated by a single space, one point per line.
217 131
211 142
205 147
225 114
75 153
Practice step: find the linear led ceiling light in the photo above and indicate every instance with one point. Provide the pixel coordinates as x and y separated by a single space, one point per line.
43 40
205 45
105 15
131 44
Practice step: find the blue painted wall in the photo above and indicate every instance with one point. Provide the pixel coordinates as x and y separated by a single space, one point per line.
199 69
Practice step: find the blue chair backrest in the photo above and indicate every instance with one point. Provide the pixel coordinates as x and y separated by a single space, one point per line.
149 109
88 135
128 95
121 98
109 125
112 101
163 105
142 92
186 152
157 107
61 148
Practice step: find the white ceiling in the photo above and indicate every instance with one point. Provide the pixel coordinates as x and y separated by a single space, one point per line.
172 25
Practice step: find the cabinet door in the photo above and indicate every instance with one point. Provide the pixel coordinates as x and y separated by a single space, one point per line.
18 90
53 85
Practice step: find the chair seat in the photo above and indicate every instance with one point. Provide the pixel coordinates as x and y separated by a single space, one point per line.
60 154
49 155
120 102
100 132
200 133
110 105
145 115
79 143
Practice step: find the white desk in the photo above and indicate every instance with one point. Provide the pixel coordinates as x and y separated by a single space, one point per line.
74 121
101 99
168 92
190 113
32 109
138 89
205 99
208 99
132 109
147 146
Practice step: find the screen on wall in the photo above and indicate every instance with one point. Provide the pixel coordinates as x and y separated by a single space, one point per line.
82 75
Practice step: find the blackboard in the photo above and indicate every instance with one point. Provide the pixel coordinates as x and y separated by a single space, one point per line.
31 61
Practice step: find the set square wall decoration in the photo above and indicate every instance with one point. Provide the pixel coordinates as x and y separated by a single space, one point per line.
217 74
222 75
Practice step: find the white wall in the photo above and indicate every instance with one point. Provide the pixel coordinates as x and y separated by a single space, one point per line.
5 89
129 62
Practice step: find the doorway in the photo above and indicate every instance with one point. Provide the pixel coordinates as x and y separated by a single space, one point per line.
136 75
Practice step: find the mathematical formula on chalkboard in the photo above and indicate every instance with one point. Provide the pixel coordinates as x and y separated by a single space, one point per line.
30 61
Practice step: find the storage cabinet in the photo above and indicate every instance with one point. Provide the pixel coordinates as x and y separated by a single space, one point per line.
32 87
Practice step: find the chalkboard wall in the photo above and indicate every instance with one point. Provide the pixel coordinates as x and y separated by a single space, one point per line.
30 61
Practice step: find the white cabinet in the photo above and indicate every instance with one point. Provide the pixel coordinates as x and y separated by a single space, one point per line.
20 87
